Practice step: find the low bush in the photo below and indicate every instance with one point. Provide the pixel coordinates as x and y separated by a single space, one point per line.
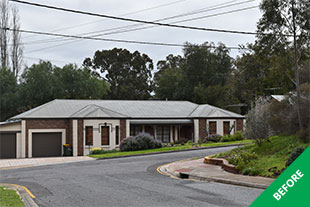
303 135
181 141
142 141
238 136
294 155
213 138
96 151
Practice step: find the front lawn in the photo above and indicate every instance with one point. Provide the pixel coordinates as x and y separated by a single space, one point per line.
166 149
266 160
9 198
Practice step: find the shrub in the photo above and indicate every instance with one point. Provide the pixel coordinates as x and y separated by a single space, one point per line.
213 138
294 155
226 138
238 136
96 151
181 141
142 141
189 142
257 127
303 135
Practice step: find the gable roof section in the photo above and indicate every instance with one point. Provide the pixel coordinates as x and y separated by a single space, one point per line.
65 108
209 111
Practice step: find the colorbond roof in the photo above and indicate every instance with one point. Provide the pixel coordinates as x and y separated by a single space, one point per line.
64 108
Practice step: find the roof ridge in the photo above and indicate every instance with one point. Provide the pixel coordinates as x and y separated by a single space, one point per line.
101 108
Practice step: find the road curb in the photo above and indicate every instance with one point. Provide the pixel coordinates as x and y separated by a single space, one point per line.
164 170
155 153
25 195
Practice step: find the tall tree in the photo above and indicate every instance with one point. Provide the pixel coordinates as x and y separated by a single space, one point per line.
16 48
4 23
128 74
8 94
286 24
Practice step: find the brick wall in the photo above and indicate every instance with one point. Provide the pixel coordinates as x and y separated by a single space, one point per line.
80 137
48 124
239 124
202 128
122 129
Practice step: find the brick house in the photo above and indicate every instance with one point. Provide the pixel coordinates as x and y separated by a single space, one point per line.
84 124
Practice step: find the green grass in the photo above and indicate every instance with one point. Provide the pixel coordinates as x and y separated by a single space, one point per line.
9 198
256 160
166 149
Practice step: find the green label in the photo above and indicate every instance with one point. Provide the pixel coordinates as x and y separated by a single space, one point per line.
291 188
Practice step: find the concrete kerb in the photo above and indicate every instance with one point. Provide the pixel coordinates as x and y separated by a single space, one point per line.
164 170
166 152
25 195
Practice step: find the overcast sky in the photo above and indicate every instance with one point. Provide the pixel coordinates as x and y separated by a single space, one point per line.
61 51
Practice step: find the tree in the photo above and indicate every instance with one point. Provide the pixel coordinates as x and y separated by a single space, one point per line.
16 48
285 24
128 74
202 69
4 23
76 83
37 85
8 97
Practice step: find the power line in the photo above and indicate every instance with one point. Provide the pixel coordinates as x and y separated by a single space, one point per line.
130 13
205 9
105 39
135 20
57 39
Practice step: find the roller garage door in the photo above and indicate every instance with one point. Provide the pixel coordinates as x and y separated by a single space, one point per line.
7 145
46 144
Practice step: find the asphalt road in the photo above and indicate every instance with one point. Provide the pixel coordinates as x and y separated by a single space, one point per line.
131 181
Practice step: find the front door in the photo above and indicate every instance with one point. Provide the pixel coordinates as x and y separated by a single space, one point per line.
105 135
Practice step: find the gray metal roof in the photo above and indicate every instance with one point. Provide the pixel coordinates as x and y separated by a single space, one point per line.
65 108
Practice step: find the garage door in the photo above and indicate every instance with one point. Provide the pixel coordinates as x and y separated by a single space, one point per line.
7 145
46 144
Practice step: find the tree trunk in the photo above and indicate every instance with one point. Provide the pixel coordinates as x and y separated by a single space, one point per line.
296 67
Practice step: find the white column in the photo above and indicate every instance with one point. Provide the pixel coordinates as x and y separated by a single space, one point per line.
18 145
23 141
220 127
143 128
75 137
176 132
127 127
171 133
196 130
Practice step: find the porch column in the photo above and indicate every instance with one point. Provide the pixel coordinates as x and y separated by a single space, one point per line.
196 130
23 139
127 127
176 131
171 133
75 137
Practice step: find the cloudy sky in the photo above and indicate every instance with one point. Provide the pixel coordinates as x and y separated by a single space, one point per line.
61 51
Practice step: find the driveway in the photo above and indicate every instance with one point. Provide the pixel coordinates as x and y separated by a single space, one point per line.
31 162
131 181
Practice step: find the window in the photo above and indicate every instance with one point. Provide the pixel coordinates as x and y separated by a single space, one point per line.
105 135
212 127
135 130
163 133
226 127
117 135
89 135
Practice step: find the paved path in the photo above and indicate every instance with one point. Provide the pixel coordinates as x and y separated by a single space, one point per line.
30 162
198 169
131 181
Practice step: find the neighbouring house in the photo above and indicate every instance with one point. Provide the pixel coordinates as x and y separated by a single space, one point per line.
84 124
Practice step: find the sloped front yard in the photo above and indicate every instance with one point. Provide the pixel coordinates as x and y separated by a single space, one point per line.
267 160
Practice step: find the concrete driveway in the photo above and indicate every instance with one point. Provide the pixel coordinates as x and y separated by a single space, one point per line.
31 162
